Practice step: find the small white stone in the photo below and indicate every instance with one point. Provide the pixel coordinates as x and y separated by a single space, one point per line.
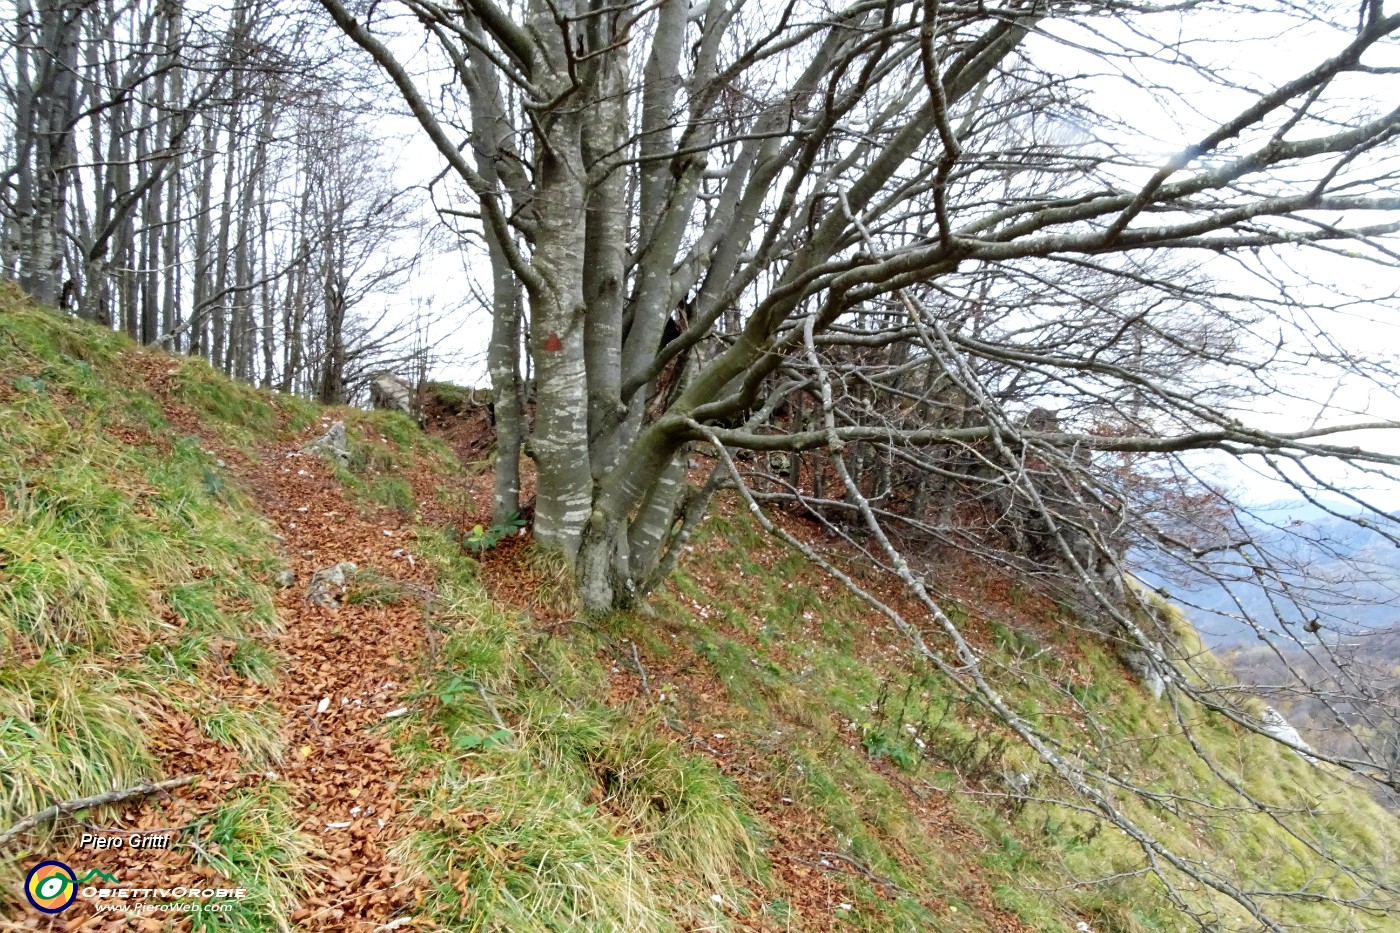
716 898
343 825
845 906
324 705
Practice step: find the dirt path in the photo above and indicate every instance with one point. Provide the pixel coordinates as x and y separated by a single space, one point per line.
357 661
341 671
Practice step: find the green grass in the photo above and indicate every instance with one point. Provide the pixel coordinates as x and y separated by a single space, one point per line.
520 849
92 526
67 730
128 559
252 660
177 658
253 732
253 842
392 492
197 603
211 394
368 587
575 815
676 802
455 398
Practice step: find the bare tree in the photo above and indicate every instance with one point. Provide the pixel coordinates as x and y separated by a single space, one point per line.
168 175
899 245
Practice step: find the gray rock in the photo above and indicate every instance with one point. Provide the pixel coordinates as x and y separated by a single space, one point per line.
1140 663
333 445
389 392
328 585
1276 726
286 579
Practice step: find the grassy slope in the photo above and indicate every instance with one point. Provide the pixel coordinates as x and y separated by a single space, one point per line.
780 724
869 724
128 566
783 765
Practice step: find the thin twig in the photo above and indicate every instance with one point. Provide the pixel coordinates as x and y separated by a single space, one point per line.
84 803
864 870
637 660
94 828
428 630
538 670
495 713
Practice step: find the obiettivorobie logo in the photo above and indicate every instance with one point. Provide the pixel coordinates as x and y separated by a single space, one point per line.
52 886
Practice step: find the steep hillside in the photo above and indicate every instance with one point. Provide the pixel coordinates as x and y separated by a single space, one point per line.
437 740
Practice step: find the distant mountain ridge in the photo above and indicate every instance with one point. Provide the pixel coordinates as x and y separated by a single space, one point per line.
1328 573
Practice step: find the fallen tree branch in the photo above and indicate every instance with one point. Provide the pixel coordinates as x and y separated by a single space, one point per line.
865 870
84 803
856 869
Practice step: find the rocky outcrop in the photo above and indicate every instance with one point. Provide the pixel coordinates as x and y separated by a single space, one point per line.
1274 725
333 445
391 393
1142 665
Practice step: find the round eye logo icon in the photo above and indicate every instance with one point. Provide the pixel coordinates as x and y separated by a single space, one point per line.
51 887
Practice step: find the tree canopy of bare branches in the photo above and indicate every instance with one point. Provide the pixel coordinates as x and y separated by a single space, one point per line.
205 179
